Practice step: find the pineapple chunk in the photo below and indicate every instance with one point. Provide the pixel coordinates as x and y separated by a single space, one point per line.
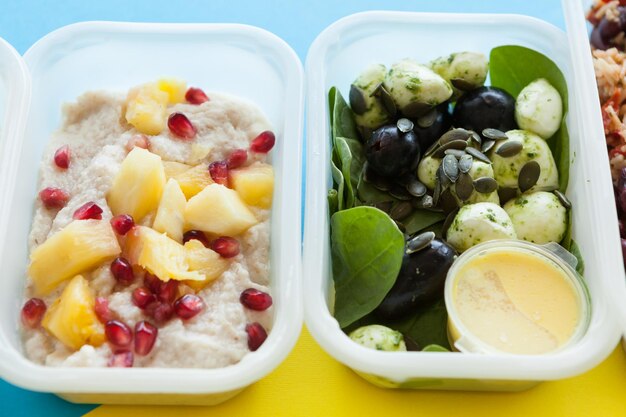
72 318
145 109
169 217
194 180
218 210
175 89
160 255
82 245
173 169
138 185
205 261
254 184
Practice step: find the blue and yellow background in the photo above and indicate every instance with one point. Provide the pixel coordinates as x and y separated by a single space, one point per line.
309 382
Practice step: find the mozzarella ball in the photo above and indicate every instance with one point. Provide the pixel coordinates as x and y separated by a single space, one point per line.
427 171
479 169
538 217
468 69
379 337
477 223
539 108
375 114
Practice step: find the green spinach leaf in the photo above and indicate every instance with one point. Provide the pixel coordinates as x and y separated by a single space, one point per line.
367 249
575 250
345 158
343 123
333 201
428 326
421 219
338 178
371 195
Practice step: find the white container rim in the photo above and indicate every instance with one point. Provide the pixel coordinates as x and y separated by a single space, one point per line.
286 327
402 366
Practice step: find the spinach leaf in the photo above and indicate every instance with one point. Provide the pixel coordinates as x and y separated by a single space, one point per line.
428 326
358 160
370 194
367 249
567 239
342 119
333 201
575 250
345 158
332 93
512 68
338 178
421 219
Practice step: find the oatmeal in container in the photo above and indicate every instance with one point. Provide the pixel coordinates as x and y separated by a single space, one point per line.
160 243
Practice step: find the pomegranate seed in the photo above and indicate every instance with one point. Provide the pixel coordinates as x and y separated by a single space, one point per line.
122 271
88 211
160 312
52 197
256 335
226 246
121 360
263 143
138 141
198 235
237 158
152 282
181 126
33 312
167 292
195 96
188 306
122 224
142 297
219 172
145 336
255 299
118 334
62 157
102 310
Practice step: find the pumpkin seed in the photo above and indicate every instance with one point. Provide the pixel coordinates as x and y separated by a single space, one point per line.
427 120
436 193
494 134
399 192
419 242
357 100
415 110
404 125
485 185
464 186
447 202
448 222
487 145
458 154
478 155
476 138
384 206
416 188
509 149
450 166
528 175
386 99
453 135
462 84
458 144
442 179
431 149
465 163
506 193
563 199
401 210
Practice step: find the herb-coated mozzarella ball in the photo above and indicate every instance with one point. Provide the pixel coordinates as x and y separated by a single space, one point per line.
464 70
379 337
478 170
368 109
477 223
427 171
415 88
507 167
539 108
538 217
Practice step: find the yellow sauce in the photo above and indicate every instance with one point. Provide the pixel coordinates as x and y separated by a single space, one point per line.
516 302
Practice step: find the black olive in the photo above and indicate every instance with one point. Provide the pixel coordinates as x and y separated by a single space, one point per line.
485 107
420 281
441 123
390 152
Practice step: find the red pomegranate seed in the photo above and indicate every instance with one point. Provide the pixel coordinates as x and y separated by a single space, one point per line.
88 211
33 312
237 158
142 297
226 246
122 271
52 197
145 336
196 96
263 143
118 334
152 282
121 360
188 306
122 224
62 157
181 126
102 310
160 312
255 299
138 141
167 292
256 335
219 172
198 235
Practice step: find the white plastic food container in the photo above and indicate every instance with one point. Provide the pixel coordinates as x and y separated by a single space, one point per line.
241 60
335 59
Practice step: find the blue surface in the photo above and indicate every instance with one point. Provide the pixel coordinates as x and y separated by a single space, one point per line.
22 22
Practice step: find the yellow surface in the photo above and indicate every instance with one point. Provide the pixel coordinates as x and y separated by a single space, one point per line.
311 383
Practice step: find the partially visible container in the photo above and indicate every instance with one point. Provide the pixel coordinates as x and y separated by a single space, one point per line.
336 57
240 60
